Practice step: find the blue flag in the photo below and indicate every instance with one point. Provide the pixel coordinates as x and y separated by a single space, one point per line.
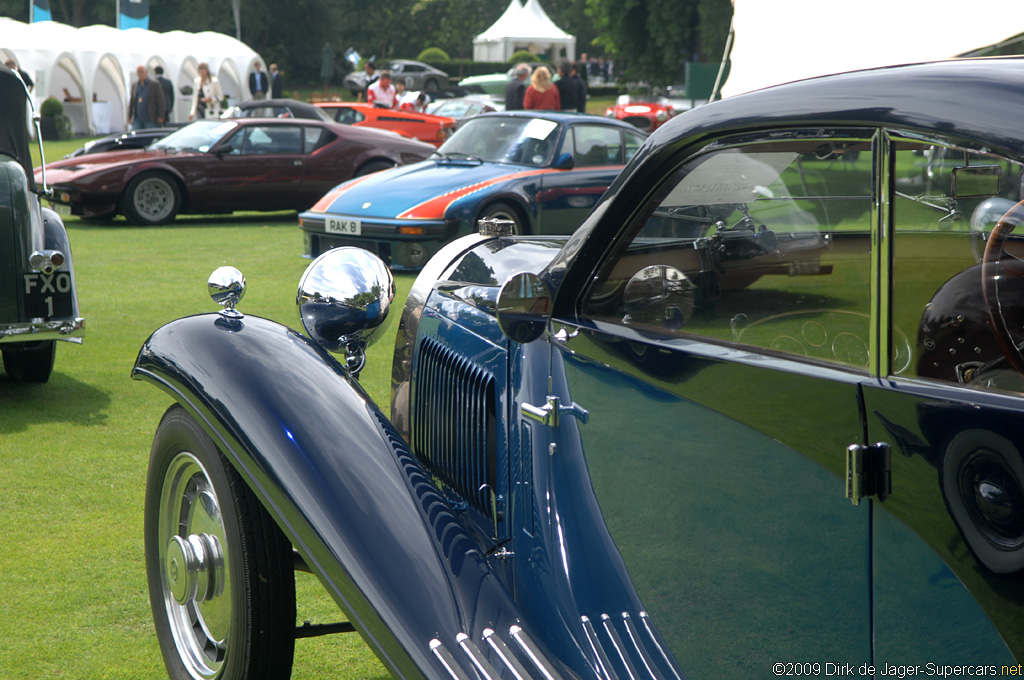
133 14
40 11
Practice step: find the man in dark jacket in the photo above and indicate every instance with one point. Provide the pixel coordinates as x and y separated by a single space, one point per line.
571 89
515 90
168 90
147 107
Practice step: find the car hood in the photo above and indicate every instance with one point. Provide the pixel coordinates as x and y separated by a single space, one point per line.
422 190
94 162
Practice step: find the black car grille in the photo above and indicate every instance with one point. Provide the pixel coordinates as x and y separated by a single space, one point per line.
453 422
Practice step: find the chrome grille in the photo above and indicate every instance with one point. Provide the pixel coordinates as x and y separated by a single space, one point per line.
453 422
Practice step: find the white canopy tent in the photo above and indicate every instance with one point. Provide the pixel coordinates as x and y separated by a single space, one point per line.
92 69
785 40
523 27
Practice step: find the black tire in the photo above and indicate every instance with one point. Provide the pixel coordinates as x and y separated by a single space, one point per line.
982 480
30 361
374 166
430 85
505 211
220 572
151 198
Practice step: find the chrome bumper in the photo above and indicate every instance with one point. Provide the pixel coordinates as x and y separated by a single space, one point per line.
72 330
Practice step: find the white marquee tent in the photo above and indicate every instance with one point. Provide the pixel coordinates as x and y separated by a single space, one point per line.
786 40
91 69
523 27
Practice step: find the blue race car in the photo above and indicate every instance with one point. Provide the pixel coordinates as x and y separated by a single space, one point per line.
541 170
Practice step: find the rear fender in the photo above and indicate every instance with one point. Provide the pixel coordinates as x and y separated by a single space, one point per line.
342 485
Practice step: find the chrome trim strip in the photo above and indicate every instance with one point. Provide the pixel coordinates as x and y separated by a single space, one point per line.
473 652
447 660
603 663
67 329
655 637
531 650
634 637
505 654
609 628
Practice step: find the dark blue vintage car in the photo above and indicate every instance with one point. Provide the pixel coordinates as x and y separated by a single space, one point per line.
761 415
38 293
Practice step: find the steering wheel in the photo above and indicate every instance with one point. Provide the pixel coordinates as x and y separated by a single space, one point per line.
993 269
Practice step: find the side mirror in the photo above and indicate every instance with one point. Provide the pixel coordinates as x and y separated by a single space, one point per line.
344 301
226 149
565 162
524 307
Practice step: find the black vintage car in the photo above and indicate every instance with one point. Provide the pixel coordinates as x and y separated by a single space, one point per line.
38 299
761 415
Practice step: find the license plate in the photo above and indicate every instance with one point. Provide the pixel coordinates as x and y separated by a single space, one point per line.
48 295
61 208
349 227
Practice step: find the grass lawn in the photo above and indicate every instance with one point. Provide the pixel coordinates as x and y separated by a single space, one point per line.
74 451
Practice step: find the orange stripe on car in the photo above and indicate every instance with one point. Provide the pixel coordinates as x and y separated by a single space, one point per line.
325 202
436 207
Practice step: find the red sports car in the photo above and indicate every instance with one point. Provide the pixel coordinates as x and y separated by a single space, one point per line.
646 116
218 166
422 126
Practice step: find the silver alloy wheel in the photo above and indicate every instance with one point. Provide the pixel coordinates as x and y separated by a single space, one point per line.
154 199
194 567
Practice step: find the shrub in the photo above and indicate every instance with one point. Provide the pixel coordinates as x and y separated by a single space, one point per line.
433 55
51 107
523 55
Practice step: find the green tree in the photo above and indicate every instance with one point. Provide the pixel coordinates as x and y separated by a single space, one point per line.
653 39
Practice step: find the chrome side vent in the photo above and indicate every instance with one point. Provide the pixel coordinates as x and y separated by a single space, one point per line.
503 663
453 422
624 650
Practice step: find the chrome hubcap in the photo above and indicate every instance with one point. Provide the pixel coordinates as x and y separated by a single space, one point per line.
194 567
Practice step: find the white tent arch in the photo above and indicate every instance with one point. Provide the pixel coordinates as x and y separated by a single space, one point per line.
523 27
93 70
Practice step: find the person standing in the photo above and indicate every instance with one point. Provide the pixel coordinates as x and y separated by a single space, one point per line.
207 96
259 85
276 82
542 94
168 89
571 89
515 90
382 93
146 105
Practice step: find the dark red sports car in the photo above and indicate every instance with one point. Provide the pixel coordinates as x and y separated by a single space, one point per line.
219 166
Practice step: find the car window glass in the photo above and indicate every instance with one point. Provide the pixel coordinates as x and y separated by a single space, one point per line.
348 116
315 137
764 245
278 139
597 145
633 143
505 139
957 320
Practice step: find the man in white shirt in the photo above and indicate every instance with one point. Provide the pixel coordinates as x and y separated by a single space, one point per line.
382 92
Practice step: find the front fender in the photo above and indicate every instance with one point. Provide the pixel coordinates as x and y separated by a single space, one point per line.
342 485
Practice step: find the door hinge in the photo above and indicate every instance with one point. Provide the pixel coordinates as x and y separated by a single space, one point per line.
868 471
550 413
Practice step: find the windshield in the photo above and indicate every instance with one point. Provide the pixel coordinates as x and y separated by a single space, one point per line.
504 139
198 136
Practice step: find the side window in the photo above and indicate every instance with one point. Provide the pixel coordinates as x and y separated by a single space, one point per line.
597 145
633 143
315 137
277 139
764 245
958 291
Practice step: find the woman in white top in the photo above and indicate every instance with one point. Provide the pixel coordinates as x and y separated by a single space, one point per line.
207 97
